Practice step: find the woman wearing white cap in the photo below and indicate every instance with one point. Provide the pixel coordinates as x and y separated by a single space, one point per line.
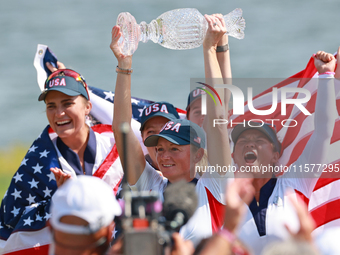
180 144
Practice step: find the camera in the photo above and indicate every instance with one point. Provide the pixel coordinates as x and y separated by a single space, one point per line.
148 224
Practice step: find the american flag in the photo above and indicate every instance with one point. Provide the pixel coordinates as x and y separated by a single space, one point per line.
324 203
25 206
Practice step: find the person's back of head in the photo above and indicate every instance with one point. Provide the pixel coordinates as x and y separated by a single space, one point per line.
82 211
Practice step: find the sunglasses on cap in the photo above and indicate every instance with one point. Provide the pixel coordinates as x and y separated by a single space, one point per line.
69 73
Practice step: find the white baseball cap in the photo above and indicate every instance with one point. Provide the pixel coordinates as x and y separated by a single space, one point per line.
88 198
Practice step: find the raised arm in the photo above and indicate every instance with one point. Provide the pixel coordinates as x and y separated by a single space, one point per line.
316 150
237 193
223 58
123 113
217 137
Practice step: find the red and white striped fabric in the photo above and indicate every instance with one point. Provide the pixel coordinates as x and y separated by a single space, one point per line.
324 203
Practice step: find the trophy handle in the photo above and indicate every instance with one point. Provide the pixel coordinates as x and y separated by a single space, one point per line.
235 23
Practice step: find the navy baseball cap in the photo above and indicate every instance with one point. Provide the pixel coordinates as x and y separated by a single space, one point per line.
193 96
180 132
66 81
265 128
162 109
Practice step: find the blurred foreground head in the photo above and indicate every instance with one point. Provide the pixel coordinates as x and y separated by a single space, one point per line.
82 211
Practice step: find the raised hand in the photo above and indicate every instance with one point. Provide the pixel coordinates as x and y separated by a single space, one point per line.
60 176
324 62
123 61
238 192
307 223
52 68
216 29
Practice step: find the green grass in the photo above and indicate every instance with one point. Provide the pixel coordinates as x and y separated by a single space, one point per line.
10 159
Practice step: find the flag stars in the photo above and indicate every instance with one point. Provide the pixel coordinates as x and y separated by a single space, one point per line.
44 153
37 168
47 192
33 148
134 101
47 216
38 217
28 221
109 95
51 176
33 183
114 232
30 199
141 111
16 194
15 211
17 177
24 161
1 225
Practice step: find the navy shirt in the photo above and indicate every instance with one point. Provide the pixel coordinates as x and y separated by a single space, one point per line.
259 211
72 158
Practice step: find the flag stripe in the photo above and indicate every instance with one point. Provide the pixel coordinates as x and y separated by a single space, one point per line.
326 213
324 202
42 250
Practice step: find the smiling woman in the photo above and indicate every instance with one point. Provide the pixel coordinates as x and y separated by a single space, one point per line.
69 147
66 115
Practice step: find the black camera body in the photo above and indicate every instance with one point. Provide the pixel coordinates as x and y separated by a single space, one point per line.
148 224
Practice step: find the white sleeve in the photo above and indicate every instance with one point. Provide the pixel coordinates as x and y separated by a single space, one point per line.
150 180
215 183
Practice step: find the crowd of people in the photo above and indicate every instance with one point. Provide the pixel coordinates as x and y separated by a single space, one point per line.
237 213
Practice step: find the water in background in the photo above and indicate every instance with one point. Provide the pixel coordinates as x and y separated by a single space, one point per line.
280 38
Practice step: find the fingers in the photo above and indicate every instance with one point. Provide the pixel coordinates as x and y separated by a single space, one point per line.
239 191
51 67
60 65
181 246
220 18
302 212
216 22
60 176
247 191
216 30
116 34
307 223
291 233
324 56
